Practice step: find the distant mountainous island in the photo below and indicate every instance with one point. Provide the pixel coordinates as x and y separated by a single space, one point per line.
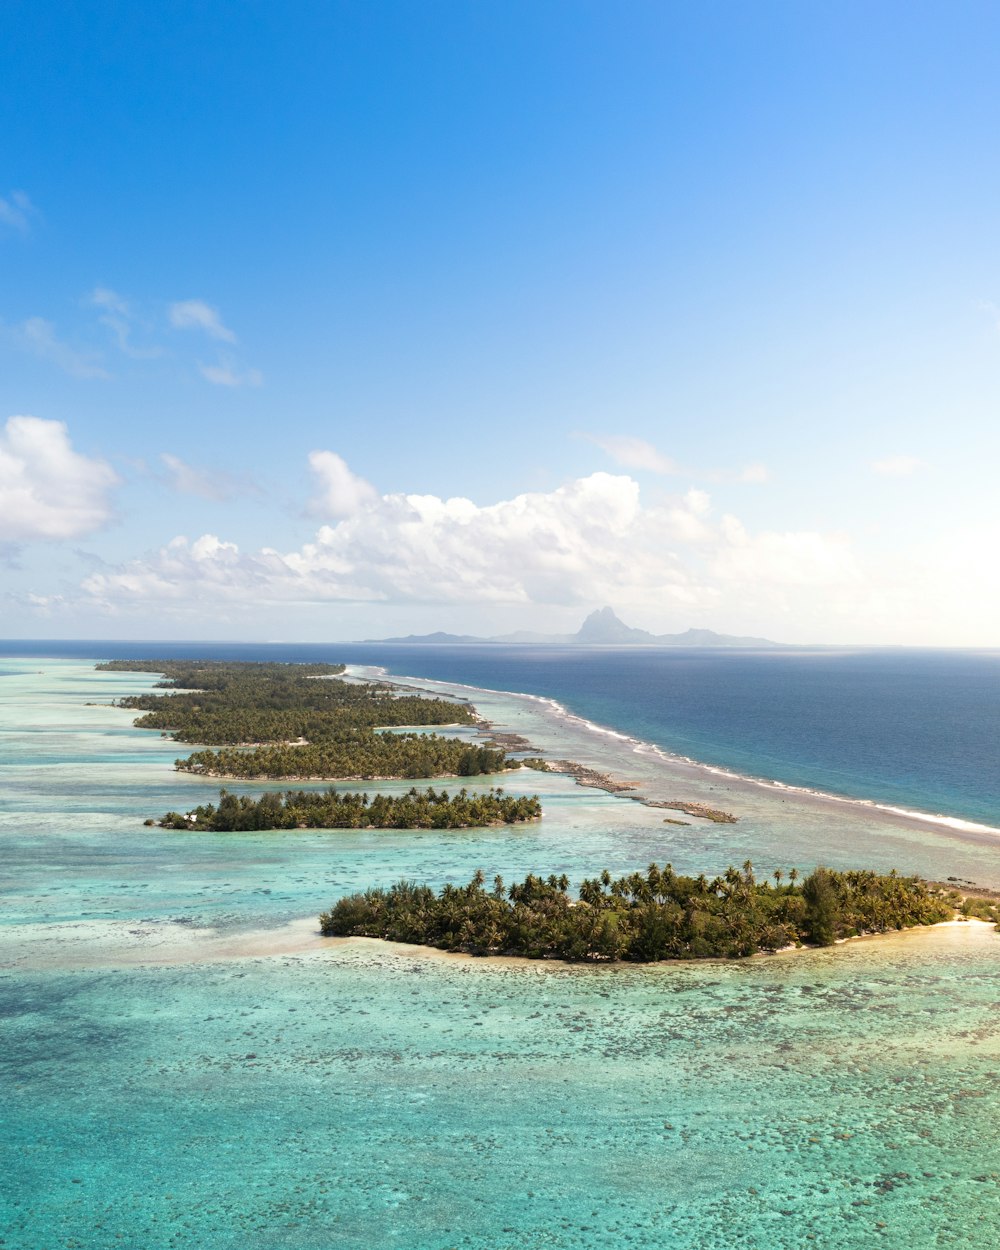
601 628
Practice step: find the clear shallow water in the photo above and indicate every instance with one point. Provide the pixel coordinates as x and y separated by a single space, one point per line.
919 730
916 729
357 1095
365 1098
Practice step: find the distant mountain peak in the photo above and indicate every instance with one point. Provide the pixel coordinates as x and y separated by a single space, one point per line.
603 618
603 625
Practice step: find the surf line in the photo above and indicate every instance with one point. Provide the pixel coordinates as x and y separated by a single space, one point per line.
559 712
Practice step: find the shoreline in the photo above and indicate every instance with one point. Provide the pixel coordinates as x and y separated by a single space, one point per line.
415 782
970 923
162 945
959 828
685 766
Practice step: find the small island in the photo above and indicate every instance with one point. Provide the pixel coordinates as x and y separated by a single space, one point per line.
650 916
272 721
330 809
302 722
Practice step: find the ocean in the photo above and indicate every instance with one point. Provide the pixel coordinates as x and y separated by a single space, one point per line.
917 730
185 1063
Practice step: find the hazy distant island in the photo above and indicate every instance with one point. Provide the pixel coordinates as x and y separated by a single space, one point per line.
650 916
601 628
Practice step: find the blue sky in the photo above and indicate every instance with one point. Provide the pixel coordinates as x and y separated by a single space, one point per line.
336 320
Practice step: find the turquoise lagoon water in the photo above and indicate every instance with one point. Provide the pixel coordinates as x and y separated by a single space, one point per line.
168 1082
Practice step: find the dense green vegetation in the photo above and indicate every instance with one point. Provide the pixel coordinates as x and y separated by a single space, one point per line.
225 703
982 909
329 809
299 720
642 917
361 756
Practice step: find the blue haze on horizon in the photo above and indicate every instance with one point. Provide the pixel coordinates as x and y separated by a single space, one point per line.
696 307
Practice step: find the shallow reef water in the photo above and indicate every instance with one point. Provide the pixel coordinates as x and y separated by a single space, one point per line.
167 1084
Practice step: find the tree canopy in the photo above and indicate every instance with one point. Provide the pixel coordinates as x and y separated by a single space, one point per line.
642 917
332 809
270 720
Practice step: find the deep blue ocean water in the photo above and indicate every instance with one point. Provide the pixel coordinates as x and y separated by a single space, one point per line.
918 729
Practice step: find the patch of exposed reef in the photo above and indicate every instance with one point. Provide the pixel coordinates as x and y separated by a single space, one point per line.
613 785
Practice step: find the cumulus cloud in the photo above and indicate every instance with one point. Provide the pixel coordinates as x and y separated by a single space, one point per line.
341 492
38 337
210 569
195 314
896 466
48 490
226 372
590 540
771 558
16 211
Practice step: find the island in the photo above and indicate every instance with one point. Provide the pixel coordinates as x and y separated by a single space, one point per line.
602 628
304 722
331 809
649 916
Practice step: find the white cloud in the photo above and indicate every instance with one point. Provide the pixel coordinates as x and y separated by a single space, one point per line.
44 605
637 453
213 484
102 297
38 337
195 314
634 453
590 541
208 569
16 211
896 466
796 558
117 315
227 373
341 492
48 490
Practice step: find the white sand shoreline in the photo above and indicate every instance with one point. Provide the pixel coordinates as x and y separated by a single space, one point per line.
685 768
75 945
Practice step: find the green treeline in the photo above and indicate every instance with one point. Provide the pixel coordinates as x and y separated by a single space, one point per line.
298 720
359 755
225 703
642 917
306 809
213 674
